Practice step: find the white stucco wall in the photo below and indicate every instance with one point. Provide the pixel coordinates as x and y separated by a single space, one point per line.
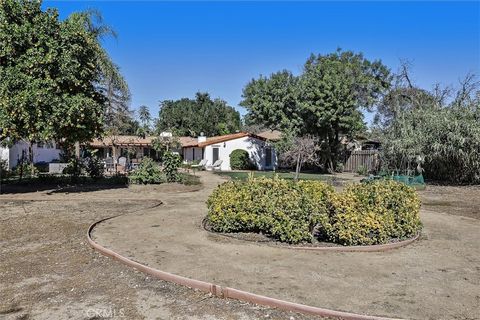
254 147
4 155
39 154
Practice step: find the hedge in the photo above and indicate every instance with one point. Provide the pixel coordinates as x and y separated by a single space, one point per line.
240 160
298 212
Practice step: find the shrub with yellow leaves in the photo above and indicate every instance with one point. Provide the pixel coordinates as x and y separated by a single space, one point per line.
294 211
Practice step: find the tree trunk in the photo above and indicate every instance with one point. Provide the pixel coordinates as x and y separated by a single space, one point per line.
30 158
297 168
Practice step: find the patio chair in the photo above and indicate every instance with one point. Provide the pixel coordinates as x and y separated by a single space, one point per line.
122 164
216 165
109 165
201 165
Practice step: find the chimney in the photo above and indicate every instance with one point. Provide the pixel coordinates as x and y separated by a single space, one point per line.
201 138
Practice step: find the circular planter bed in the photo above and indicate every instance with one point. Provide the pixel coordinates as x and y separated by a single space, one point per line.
310 214
263 239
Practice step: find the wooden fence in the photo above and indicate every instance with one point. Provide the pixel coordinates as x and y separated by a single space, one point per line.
368 159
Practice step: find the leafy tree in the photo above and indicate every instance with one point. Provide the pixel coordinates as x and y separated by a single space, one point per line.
118 118
273 101
187 117
49 70
432 136
335 88
325 101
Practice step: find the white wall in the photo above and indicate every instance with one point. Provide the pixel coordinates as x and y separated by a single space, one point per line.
44 154
4 154
254 147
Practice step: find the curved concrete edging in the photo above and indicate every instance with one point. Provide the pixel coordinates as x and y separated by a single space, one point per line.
225 292
370 248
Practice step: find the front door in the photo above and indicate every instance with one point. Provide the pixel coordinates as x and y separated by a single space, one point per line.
215 154
268 157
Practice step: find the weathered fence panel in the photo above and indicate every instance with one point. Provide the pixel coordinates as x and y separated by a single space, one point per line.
368 159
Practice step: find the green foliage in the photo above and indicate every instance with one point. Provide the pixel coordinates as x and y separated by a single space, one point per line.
444 140
171 163
4 172
48 70
148 172
282 209
74 168
362 171
372 213
296 212
240 160
94 167
326 100
187 117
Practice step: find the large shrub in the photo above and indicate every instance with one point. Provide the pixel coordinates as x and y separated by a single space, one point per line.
148 172
171 163
240 160
285 210
373 213
296 212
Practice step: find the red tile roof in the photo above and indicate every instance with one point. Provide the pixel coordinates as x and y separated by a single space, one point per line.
184 141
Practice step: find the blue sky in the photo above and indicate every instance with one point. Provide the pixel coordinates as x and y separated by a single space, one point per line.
169 50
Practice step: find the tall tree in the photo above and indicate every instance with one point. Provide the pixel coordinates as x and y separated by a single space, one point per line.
144 116
118 118
191 117
49 73
273 102
325 101
335 88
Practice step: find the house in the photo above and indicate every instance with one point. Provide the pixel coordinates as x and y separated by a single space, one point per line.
117 146
260 148
42 152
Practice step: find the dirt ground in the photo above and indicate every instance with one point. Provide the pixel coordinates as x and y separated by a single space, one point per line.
48 271
437 277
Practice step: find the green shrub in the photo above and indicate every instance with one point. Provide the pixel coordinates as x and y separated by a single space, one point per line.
4 172
94 167
240 160
74 167
373 213
283 209
171 163
362 171
293 212
148 172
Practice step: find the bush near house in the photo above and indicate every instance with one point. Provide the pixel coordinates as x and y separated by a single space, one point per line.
292 212
148 172
240 160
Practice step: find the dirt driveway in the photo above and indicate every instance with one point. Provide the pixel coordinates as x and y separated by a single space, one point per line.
48 271
437 277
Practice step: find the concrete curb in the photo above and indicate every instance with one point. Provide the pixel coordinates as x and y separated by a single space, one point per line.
225 292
